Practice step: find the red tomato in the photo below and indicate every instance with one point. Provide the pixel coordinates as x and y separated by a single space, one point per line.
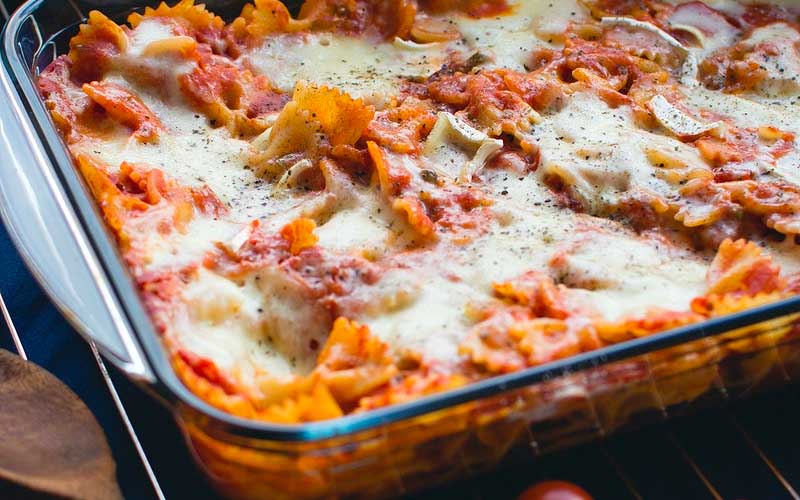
555 490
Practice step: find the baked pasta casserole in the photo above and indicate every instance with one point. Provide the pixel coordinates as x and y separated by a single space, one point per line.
370 201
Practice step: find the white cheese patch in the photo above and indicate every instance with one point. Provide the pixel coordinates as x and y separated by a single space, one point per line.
148 31
364 69
631 275
775 51
226 324
509 39
178 249
601 154
433 323
355 230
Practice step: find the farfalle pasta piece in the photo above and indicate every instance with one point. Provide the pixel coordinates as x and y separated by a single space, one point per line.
311 405
155 187
194 17
763 198
416 215
656 320
704 202
394 181
210 389
316 119
231 96
126 108
487 101
264 17
402 129
374 18
340 117
740 266
536 291
297 400
489 344
114 204
354 363
421 382
715 305
135 192
542 340
93 49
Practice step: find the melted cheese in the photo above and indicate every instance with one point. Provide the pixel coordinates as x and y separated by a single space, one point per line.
364 69
193 152
510 39
226 324
634 276
356 230
601 154
147 32
374 71
775 51
632 272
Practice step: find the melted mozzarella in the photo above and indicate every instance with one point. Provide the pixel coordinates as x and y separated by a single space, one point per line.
226 324
194 154
601 154
433 323
375 71
364 69
510 39
146 33
356 230
633 276
775 51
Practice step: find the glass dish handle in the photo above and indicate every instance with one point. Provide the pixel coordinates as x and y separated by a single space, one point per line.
47 234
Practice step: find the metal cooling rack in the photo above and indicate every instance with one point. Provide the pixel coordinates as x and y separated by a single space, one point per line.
737 452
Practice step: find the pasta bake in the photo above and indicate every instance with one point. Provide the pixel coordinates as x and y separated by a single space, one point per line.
370 201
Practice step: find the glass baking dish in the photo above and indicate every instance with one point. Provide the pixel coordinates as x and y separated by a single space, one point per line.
383 453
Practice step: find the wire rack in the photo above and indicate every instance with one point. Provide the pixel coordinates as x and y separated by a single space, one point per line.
746 450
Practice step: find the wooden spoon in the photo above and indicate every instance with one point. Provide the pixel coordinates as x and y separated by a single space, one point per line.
50 443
